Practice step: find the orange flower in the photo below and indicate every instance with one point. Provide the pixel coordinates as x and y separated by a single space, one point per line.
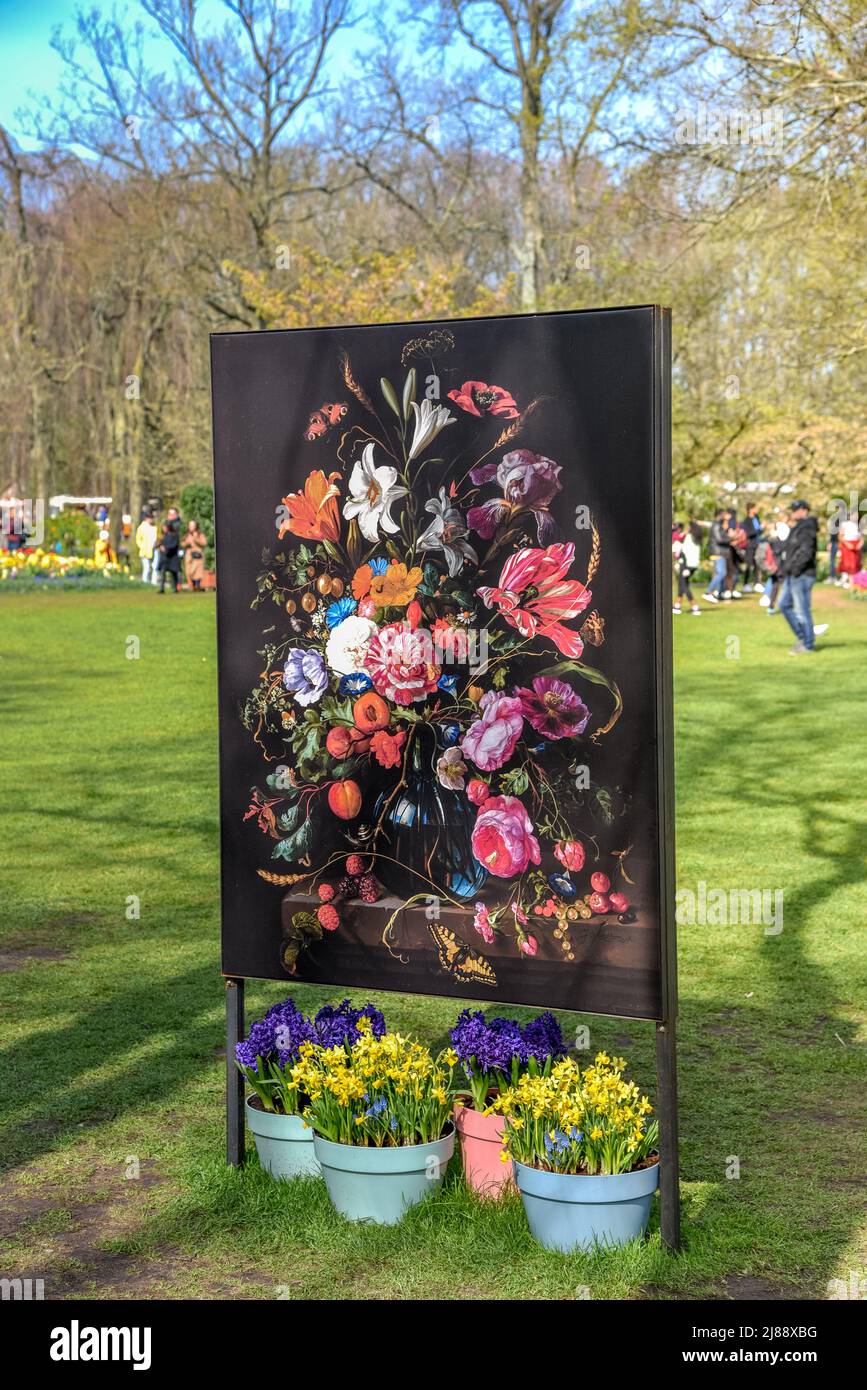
361 581
386 747
396 587
313 513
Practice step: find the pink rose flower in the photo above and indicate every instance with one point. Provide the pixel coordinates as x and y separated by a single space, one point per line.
399 663
490 741
570 853
482 923
478 791
503 838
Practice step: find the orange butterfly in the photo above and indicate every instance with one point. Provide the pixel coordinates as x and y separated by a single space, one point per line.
323 419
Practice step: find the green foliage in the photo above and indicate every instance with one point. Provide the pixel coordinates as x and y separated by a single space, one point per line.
75 530
197 504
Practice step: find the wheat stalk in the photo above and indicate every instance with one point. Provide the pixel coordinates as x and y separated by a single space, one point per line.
358 391
515 426
595 553
282 880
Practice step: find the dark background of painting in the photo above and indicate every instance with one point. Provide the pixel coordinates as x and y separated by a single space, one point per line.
597 370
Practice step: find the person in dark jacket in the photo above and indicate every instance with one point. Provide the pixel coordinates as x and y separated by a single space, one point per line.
752 529
798 572
719 551
169 548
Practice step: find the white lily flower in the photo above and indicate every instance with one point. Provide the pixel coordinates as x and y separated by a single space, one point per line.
429 420
373 491
448 533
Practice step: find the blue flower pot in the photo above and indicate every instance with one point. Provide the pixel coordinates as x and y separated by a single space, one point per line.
568 1211
371 1184
283 1142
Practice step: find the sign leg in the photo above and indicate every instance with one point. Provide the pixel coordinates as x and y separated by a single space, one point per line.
669 1159
234 1079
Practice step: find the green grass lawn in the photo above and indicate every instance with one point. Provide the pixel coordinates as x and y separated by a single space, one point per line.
112 1071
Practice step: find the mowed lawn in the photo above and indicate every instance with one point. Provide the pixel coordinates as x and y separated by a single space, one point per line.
112 1029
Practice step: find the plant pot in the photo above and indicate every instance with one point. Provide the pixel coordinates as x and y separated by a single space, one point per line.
283 1142
380 1184
481 1145
571 1211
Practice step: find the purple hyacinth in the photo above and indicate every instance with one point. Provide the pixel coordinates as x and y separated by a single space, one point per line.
485 1047
277 1038
338 1025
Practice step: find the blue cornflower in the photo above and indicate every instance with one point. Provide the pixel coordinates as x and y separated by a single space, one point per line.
337 611
378 566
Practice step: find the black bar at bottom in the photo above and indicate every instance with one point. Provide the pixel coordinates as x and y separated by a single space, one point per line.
234 1079
669 1158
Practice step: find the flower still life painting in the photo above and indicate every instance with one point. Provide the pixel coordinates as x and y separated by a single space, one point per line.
439 654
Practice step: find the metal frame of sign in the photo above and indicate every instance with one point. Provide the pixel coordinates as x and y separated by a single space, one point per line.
665 1025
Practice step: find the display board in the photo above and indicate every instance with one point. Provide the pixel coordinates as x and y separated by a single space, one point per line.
444 594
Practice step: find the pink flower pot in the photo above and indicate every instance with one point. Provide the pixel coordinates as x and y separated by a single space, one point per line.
481 1145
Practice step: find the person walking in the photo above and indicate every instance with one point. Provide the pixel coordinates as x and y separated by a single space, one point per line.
719 550
170 563
686 548
798 573
146 539
194 544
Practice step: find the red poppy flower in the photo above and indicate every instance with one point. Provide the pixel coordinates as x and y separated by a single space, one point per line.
477 398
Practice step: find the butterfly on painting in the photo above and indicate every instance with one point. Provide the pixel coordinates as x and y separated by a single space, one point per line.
593 629
458 959
324 419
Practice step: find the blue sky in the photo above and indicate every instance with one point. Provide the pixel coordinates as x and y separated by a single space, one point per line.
29 65
26 58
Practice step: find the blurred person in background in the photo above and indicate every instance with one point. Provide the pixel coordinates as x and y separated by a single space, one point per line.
719 551
753 532
851 545
146 539
686 549
170 561
798 572
194 542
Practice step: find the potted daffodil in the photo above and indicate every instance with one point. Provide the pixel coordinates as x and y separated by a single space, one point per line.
284 1141
584 1153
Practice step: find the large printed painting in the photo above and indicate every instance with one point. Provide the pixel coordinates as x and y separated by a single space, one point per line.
443 580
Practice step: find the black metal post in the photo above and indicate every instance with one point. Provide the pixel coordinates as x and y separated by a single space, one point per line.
669 1158
234 1079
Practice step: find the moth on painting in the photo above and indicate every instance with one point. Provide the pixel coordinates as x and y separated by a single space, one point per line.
324 419
458 959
